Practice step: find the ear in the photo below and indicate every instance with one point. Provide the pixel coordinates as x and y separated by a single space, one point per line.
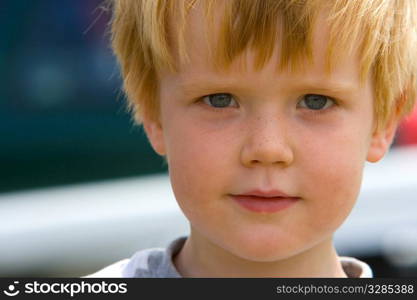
381 141
155 135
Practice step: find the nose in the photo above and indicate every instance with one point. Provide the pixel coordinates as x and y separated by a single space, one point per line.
267 143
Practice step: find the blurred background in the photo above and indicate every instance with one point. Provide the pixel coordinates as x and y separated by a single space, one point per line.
80 186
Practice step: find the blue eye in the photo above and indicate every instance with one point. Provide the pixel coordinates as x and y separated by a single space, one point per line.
218 100
316 102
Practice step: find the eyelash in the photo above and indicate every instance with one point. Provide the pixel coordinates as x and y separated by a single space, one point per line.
315 111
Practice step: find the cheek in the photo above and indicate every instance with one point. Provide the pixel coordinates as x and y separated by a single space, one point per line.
333 179
199 165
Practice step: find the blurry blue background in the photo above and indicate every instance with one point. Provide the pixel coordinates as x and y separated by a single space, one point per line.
63 117
80 186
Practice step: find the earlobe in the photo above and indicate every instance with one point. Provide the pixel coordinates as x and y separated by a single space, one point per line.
155 135
381 142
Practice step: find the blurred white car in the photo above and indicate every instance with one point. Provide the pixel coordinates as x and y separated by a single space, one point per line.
75 230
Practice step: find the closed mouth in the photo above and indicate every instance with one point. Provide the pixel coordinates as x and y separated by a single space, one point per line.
264 204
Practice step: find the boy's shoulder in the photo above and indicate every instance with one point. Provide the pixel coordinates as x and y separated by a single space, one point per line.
355 268
158 263
115 270
148 263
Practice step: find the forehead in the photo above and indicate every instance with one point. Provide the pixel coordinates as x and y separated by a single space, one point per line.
203 46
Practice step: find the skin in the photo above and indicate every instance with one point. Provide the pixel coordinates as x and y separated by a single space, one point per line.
266 139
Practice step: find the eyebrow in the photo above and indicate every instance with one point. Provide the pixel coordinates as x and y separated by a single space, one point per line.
202 85
329 86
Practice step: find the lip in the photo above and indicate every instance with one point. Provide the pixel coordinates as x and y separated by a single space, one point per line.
266 194
265 201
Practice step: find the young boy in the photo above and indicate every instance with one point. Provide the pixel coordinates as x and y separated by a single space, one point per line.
266 112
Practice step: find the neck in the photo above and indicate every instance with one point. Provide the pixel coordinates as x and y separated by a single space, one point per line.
318 261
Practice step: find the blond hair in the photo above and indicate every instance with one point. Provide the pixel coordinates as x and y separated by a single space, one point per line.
384 32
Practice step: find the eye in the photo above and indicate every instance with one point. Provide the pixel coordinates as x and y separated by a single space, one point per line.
219 100
316 102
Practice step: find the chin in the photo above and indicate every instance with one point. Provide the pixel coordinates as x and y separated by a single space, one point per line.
263 255
259 249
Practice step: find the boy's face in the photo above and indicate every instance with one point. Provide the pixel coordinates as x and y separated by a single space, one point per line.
265 134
